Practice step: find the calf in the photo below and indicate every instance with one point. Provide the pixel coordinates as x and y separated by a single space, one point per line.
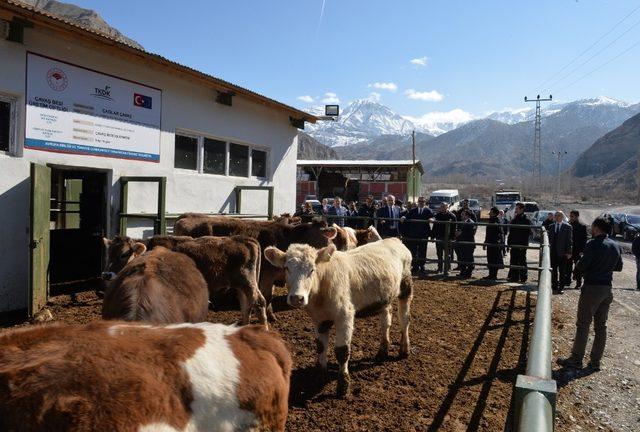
225 262
121 377
268 233
160 287
348 238
335 287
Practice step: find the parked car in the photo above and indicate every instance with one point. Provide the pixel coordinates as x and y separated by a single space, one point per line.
616 220
630 227
537 219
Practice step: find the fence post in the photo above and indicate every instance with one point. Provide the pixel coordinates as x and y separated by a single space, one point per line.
447 248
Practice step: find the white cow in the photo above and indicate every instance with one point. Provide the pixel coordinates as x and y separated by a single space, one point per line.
335 287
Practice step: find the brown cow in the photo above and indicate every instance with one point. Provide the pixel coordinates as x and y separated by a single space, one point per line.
160 287
225 262
121 377
349 238
268 233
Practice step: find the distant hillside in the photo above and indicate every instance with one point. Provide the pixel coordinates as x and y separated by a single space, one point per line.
384 147
83 17
310 148
613 156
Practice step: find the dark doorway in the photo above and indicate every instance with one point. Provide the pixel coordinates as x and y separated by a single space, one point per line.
78 221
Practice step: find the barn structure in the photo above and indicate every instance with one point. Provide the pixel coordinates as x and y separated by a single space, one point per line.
99 137
355 179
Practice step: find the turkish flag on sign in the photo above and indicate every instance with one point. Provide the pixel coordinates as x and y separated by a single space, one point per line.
142 100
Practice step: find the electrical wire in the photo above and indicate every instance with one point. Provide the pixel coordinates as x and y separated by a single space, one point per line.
588 48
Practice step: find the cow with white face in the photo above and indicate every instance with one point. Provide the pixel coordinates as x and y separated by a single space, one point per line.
336 287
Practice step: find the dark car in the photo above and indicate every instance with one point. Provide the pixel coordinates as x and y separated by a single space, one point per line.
630 227
617 222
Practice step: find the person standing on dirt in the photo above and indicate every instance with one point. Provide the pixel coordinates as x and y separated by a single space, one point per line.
518 237
579 242
560 245
368 210
466 232
635 248
494 236
438 232
600 259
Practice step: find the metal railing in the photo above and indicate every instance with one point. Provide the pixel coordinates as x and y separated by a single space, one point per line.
536 390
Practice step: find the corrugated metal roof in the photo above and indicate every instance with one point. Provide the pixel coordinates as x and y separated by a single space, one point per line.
360 163
29 12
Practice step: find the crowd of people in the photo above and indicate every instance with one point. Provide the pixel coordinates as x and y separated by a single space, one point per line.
414 222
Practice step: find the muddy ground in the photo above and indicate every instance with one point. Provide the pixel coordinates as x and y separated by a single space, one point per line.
469 343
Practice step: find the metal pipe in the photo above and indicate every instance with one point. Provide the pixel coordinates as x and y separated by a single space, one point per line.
536 414
539 359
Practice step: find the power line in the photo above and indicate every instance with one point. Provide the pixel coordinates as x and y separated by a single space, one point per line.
601 66
594 55
588 48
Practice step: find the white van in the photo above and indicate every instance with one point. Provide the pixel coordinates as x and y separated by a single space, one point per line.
448 196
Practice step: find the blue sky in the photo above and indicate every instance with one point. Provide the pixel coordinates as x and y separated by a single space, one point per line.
476 56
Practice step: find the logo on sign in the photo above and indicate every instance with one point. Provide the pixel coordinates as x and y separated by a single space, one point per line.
102 93
57 79
142 100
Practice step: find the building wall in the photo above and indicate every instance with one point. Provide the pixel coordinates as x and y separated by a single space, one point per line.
185 105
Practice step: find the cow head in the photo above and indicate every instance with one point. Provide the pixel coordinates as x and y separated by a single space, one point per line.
120 251
300 263
368 235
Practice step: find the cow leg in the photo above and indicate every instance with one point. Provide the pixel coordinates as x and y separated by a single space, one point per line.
261 310
322 343
266 288
344 331
385 325
245 307
404 317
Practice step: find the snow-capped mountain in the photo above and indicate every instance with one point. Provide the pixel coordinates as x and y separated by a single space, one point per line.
437 122
362 120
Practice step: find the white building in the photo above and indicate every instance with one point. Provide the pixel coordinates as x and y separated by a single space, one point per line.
79 111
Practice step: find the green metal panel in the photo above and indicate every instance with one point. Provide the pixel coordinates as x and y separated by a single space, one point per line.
72 191
39 240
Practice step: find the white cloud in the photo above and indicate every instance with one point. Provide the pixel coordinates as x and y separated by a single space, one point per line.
373 96
330 98
306 98
430 96
420 61
384 86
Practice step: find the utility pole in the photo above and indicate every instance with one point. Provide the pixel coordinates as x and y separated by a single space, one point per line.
416 194
537 149
558 153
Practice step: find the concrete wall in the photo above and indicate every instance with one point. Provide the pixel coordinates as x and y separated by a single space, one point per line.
186 105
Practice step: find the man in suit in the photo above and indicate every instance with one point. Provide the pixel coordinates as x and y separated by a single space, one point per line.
494 237
368 210
438 232
560 243
466 232
337 210
579 233
418 231
389 228
518 237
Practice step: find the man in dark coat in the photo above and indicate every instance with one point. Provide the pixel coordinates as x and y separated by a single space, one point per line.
579 242
494 236
600 259
560 244
518 237
418 231
337 209
465 207
438 232
389 228
368 210
352 211
466 232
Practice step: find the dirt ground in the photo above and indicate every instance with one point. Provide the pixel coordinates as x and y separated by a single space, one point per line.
469 343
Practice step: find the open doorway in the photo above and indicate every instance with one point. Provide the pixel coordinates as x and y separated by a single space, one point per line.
77 222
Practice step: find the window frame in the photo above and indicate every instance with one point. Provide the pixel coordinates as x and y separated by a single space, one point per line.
198 150
13 123
200 136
